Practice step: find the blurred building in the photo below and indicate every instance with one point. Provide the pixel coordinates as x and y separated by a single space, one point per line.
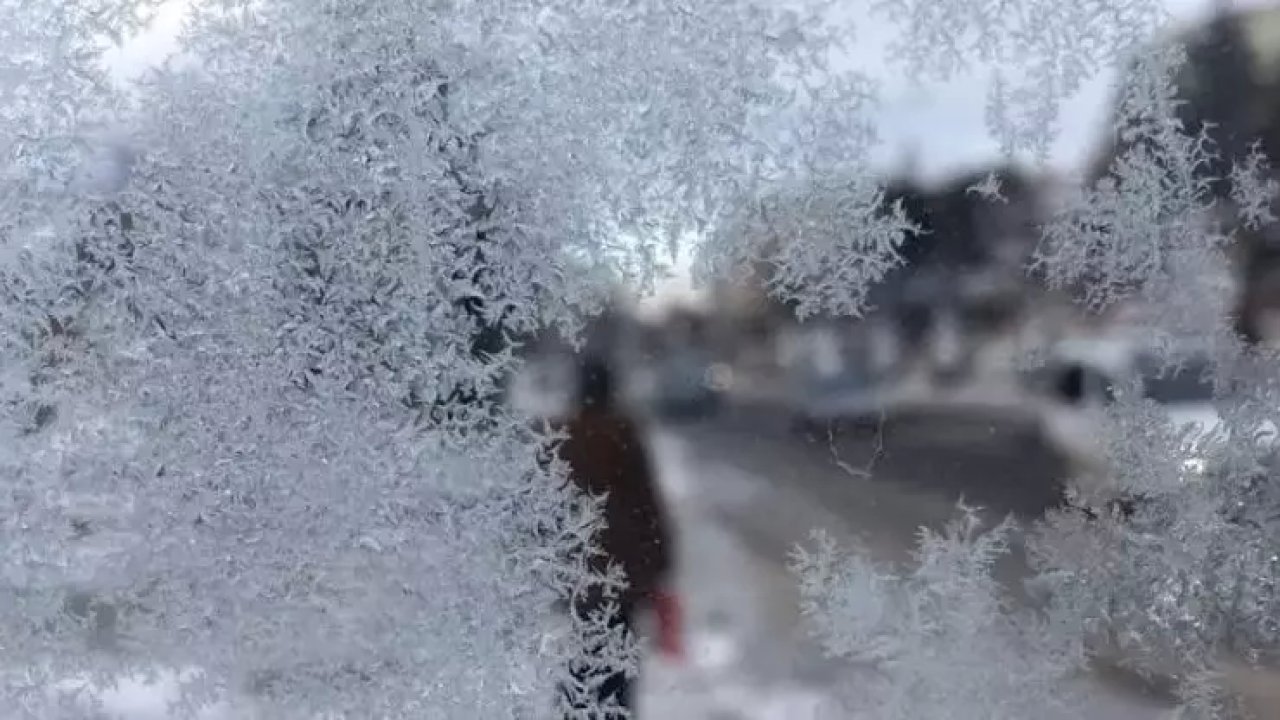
962 296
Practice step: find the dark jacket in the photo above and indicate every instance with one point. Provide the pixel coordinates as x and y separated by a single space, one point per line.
605 453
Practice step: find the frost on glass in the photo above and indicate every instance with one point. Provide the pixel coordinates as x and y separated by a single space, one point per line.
1039 53
1148 224
1253 189
813 227
253 354
1183 582
819 249
1180 582
939 638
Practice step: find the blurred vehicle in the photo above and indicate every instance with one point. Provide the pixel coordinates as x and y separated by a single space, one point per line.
683 385
831 380
1076 383
1080 380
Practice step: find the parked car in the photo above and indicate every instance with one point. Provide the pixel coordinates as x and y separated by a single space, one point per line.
832 379
1080 379
685 385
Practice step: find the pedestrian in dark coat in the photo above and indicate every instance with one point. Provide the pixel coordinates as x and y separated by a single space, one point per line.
605 454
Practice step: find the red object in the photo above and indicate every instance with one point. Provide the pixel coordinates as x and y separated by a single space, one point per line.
666 606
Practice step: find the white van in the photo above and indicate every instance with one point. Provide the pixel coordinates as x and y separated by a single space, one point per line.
1078 383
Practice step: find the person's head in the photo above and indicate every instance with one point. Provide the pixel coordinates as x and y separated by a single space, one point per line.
595 384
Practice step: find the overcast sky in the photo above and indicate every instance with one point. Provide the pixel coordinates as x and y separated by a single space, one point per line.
943 124
940 125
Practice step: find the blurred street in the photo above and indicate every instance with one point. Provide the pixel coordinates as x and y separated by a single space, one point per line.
967 381
746 487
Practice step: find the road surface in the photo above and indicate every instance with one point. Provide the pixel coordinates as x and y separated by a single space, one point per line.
746 488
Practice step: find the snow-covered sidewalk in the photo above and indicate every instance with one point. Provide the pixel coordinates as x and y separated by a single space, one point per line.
737 620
